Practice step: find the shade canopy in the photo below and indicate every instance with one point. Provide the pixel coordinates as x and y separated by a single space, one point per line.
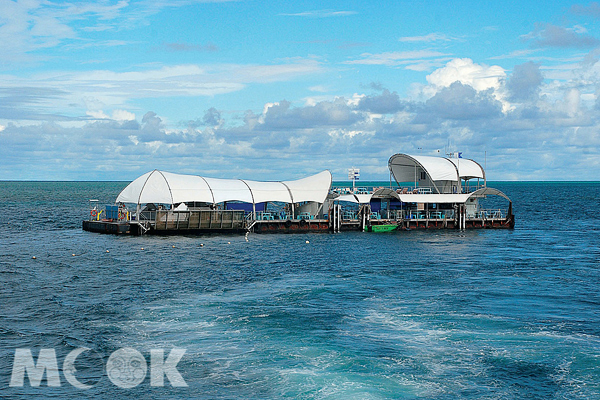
355 198
405 168
443 175
468 169
487 191
169 188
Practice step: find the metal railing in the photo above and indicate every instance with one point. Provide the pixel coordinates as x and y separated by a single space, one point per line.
400 190
440 214
431 215
273 215
149 216
491 214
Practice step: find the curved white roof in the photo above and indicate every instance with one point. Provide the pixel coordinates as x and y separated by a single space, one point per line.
355 198
169 188
468 169
438 168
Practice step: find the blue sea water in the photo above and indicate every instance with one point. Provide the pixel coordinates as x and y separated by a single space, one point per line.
487 314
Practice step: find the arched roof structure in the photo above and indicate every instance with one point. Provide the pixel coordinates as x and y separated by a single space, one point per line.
169 188
355 198
468 169
405 168
487 191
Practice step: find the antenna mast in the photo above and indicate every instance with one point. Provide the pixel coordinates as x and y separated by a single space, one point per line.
353 175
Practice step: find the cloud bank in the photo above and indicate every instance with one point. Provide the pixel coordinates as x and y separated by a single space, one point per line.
530 128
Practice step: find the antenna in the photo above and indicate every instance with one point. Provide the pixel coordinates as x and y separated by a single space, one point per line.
485 160
353 175
449 154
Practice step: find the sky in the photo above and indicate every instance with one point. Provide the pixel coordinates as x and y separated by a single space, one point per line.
279 90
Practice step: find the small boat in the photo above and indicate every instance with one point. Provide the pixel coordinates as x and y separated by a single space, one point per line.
381 228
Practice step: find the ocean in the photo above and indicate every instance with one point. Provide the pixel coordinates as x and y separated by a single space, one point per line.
480 314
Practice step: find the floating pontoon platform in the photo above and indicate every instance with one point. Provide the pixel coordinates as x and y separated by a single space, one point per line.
431 193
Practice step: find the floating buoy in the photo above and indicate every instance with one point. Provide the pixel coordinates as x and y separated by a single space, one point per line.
33 257
107 251
228 242
142 248
201 244
73 254
173 246
307 242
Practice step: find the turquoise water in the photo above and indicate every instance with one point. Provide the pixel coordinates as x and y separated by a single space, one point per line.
494 314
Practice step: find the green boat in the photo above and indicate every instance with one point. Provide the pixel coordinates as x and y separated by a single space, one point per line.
381 228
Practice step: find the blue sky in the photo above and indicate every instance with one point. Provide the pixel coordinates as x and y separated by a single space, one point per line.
279 90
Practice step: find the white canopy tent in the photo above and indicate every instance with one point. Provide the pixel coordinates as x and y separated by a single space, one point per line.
169 188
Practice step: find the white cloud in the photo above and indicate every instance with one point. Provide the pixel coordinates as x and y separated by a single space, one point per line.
99 114
123 115
27 26
104 89
516 54
341 134
134 139
261 118
480 77
395 58
355 99
318 88
432 37
548 35
96 44
554 117
463 70
572 101
336 128
117 115
427 65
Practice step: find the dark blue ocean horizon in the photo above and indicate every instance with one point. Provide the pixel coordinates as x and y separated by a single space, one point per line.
495 314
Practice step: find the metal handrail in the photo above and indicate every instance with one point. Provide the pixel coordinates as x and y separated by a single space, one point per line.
149 216
492 214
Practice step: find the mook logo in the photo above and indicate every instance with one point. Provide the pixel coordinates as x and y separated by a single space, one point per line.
125 368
